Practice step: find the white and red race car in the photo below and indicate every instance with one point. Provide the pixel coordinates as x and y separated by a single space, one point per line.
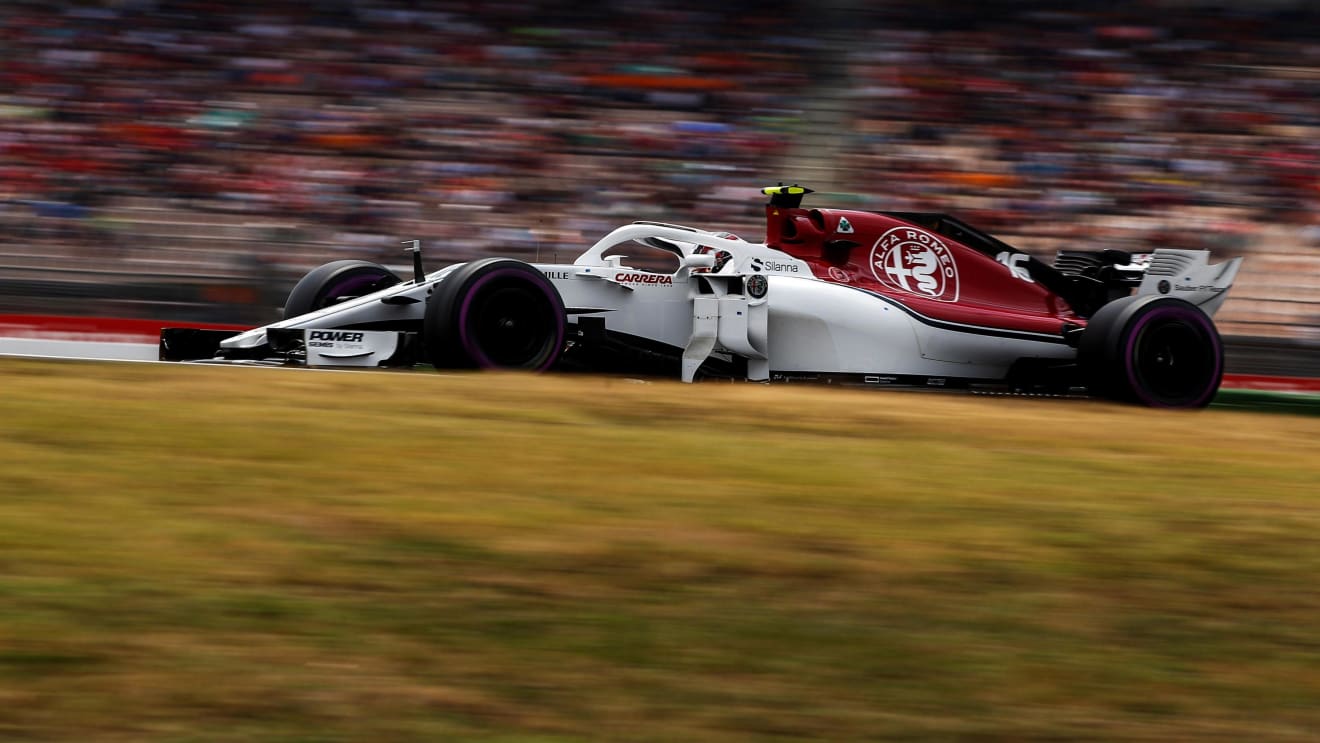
830 295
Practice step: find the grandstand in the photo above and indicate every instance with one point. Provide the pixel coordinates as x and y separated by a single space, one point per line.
174 159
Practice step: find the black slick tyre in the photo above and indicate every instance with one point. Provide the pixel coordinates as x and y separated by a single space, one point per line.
336 282
1152 350
496 313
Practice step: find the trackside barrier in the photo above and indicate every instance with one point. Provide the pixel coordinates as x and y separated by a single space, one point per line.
95 329
1268 383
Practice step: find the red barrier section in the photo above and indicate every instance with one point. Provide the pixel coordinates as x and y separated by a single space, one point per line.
1271 384
124 330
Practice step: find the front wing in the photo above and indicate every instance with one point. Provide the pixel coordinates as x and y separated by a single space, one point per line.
297 346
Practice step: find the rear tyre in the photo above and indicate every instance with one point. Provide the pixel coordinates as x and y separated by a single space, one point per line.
1152 350
336 282
496 313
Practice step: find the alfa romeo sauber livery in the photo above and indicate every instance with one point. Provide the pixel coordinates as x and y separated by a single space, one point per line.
830 295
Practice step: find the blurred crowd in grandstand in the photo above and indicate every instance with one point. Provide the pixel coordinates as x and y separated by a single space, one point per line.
194 138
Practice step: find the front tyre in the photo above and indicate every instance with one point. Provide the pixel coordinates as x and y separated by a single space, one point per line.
496 313
336 282
1153 350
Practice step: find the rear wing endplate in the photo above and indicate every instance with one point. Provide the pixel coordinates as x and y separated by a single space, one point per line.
1189 275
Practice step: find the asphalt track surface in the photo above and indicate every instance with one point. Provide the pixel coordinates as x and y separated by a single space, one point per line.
45 348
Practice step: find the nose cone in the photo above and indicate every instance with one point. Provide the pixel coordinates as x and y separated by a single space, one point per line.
254 338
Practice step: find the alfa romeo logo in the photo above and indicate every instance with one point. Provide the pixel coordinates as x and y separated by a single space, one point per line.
916 262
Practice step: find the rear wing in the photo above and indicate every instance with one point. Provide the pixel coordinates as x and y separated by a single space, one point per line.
1189 275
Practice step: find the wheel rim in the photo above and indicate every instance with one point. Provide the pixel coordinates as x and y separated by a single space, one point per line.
511 326
1175 361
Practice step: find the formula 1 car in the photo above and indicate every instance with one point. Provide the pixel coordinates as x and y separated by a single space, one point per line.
836 296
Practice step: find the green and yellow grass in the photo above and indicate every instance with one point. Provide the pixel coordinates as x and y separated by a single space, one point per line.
217 554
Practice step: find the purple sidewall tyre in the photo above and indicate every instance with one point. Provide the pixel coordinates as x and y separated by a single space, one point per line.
1156 351
497 313
329 283
1201 382
552 327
